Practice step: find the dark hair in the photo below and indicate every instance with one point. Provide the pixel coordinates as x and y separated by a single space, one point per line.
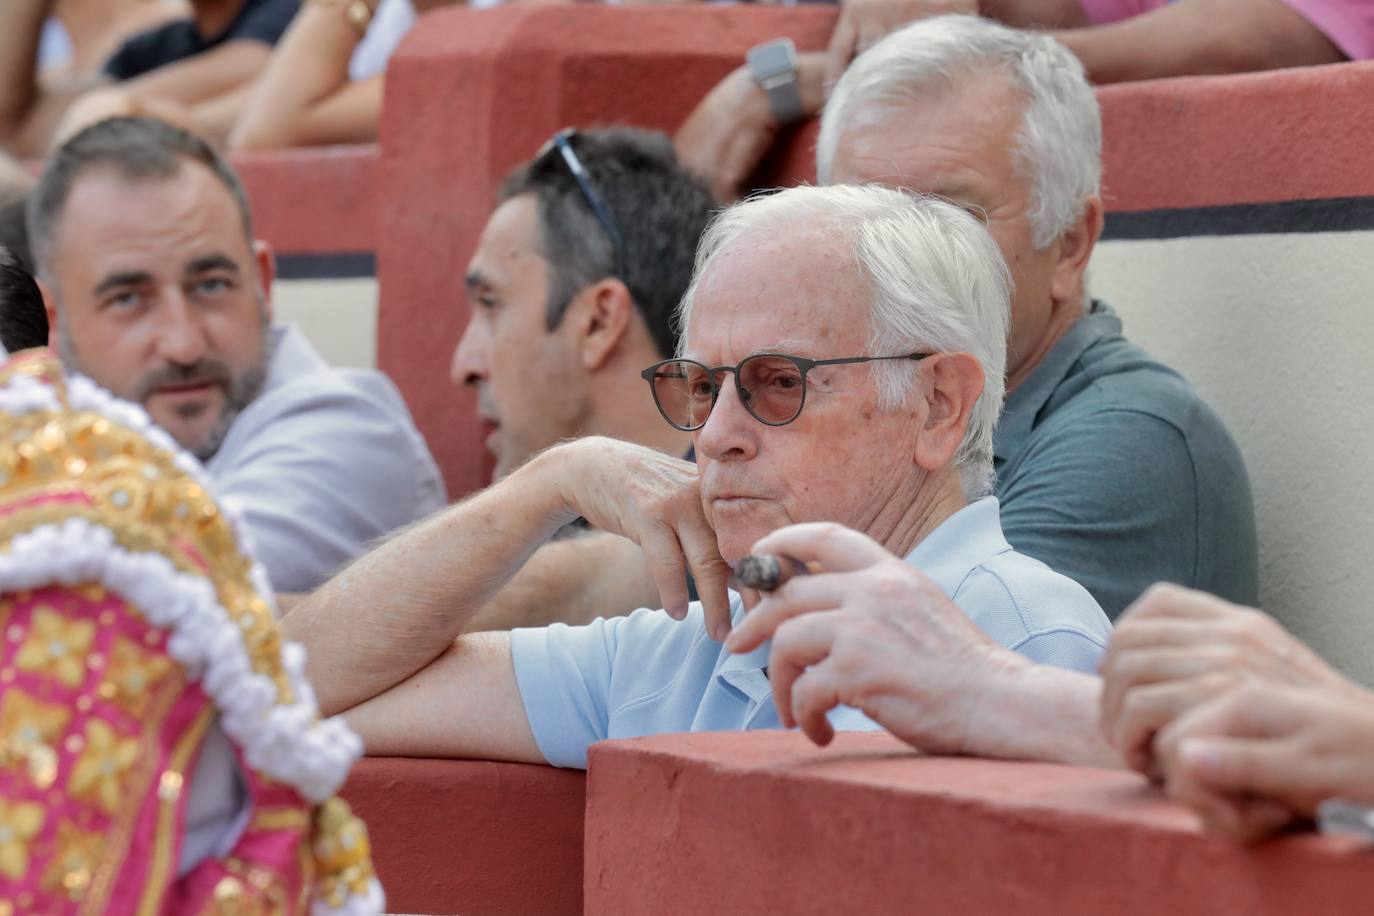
23 319
659 207
14 233
136 149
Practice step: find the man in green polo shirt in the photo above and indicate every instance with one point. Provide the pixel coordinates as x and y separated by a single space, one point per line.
1110 468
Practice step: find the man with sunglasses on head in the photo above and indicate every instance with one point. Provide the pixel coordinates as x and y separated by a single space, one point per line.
840 374
572 289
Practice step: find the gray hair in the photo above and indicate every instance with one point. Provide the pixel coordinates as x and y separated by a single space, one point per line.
1060 143
136 149
936 279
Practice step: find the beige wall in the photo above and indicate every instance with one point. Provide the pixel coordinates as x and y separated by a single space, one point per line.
338 316
1278 333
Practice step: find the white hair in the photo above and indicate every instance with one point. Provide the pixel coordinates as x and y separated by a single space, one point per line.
1060 143
936 279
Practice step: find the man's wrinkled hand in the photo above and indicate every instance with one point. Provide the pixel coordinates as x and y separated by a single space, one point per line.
655 500
1175 649
863 23
870 632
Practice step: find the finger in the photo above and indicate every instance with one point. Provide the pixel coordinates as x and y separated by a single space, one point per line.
1255 766
1137 668
711 573
668 569
750 597
797 645
814 694
1147 710
835 547
1158 633
800 595
840 50
1164 599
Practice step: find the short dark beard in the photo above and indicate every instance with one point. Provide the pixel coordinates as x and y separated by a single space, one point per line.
239 390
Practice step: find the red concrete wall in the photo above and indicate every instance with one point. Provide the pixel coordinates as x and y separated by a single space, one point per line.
459 836
472 94
768 823
312 201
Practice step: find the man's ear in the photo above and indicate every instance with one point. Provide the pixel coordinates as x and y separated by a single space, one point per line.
266 262
1076 246
604 313
951 386
49 306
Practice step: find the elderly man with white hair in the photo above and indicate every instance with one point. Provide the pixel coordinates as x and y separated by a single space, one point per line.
1110 467
841 373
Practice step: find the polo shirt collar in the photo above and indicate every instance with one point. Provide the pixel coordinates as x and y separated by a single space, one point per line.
1025 403
292 356
961 543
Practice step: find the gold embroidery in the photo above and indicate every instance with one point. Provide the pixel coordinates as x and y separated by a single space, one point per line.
78 852
56 647
342 852
19 824
28 731
159 872
273 819
99 772
131 676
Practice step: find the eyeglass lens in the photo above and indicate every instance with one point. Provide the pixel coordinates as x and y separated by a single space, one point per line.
771 388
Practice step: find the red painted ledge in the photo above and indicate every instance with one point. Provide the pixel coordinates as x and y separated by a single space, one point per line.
315 199
768 823
465 836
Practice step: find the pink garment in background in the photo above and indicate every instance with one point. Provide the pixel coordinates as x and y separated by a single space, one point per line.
1348 23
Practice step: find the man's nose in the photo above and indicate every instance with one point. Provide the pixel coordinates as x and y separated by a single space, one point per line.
469 365
182 335
730 431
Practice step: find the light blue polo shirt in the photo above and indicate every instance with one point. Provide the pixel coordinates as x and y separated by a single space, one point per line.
648 674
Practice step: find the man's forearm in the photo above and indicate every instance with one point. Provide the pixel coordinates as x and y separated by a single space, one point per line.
397 608
1042 713
21 26
572 581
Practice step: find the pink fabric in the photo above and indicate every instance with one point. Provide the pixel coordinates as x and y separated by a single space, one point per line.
1349 24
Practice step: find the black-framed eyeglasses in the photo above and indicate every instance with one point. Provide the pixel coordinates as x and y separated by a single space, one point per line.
561 143
771 386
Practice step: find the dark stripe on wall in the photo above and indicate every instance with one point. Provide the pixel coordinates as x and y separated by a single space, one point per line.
339 265
1338 214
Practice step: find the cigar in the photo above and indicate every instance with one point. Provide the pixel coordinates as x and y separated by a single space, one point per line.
766 572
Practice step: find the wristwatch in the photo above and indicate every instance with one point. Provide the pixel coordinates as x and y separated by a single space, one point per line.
773 65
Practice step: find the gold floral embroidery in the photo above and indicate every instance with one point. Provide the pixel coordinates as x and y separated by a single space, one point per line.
19 824
78 854
100 770
28 732
57 647
131 676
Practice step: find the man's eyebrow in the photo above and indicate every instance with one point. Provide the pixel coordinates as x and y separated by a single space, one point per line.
210 262
121 279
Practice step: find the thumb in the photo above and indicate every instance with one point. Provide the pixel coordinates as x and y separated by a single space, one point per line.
1239 765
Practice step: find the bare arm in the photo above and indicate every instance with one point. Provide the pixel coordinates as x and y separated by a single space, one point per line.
573 581
396 609
1199 37
465 704
401 606
305 97
28 112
